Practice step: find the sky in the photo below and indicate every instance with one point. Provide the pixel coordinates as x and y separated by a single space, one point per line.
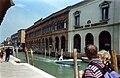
25 12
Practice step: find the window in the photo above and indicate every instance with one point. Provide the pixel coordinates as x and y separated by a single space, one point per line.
77 18
105 9
65 24
55 26
105 13
58 25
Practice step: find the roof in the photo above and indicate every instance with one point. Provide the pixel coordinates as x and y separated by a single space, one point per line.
81 3
37 23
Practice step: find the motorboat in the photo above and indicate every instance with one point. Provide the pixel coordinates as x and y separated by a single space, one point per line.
67 61
84 59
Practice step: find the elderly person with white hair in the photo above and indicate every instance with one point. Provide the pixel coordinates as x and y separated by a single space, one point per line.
105 58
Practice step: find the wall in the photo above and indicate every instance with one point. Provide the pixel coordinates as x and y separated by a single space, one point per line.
91 11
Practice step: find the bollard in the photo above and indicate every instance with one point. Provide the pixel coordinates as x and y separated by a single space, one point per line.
70 54
31 52
70 49
16 52
45 52
61 52
56 54
75 64
49 52
13 51
114 60
26 54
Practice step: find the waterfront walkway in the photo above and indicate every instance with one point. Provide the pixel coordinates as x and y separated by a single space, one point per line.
12 69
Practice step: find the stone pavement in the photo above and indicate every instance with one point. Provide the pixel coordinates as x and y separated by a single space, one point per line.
12 69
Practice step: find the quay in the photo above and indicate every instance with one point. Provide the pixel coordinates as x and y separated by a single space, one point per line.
12 69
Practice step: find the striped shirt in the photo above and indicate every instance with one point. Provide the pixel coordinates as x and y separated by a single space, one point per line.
92 71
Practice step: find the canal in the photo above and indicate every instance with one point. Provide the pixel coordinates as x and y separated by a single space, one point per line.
48 65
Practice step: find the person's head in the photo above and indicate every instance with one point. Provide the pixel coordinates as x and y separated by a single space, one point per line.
104 55
91 51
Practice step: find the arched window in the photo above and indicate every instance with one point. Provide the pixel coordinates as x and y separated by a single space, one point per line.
43 43
89 39
77 42
50 42
46 43
56 43
105 41
63 43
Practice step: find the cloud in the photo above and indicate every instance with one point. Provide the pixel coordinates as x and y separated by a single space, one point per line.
52 3
20 5
60 3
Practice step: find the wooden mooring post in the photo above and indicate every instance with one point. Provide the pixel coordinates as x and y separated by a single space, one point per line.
56 54
31 52
61 52
16 52
49 52
75 64
114 60
45 52
26 54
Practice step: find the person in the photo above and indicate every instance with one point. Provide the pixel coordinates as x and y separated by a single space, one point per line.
1 54
105 58
8 52
92 71
61 58
108 68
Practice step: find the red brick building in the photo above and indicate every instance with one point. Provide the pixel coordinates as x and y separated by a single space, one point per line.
50 32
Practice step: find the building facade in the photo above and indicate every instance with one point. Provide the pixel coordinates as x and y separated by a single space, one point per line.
49 33
7 42
14 39
18 39
21 38
94 22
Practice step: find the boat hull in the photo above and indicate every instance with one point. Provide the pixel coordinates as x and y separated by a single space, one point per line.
85 59
68 61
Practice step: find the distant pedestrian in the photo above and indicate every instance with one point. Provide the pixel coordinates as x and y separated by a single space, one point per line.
1 54
8 52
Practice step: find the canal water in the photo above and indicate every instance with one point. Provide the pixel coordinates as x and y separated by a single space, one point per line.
48 65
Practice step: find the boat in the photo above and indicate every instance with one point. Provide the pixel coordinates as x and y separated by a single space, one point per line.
67 61
85 59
